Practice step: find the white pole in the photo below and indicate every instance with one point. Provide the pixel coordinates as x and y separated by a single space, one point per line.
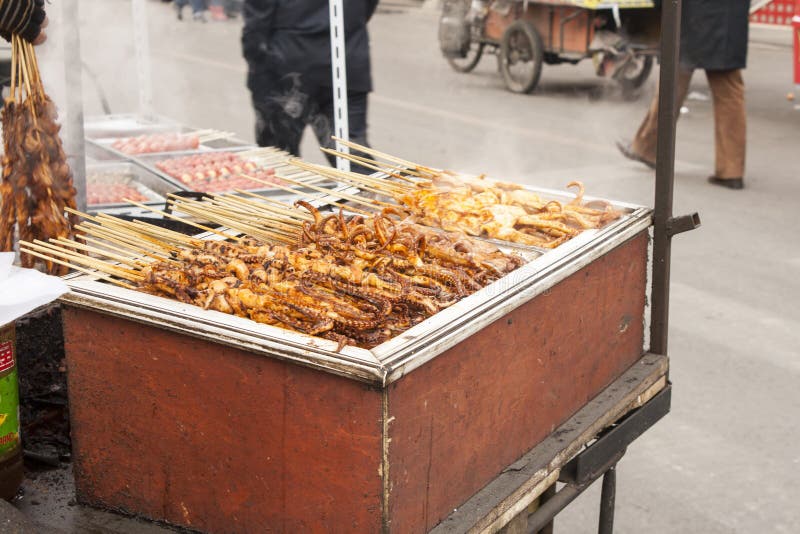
339 73
141 46
72 128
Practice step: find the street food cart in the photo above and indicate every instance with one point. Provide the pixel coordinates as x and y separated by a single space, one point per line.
465 422
620 37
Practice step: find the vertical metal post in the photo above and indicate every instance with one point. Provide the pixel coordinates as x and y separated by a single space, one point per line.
73 137
665 173
339 73
607 501
141 47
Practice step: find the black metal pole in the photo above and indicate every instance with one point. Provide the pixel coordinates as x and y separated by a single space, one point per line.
665 174
607 500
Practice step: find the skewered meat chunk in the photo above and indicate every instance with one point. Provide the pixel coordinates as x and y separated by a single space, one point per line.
215 172
483 207
354 280
152 143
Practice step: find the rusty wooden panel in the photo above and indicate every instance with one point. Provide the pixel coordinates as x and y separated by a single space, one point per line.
461 418
496 24
578 30
217 439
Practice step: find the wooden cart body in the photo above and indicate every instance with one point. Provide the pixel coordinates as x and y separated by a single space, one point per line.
216 423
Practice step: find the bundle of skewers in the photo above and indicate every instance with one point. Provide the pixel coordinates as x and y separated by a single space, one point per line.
476 205
354 279
37 182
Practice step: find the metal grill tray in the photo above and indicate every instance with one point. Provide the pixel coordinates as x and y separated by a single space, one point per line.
105 144
149 162
395 357
147 183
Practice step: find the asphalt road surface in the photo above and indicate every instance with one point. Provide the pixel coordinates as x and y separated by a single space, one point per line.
726 458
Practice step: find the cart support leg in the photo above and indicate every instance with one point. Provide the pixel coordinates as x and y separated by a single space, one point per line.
547 495
607 501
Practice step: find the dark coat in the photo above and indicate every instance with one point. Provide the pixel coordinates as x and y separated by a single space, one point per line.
284 38
714 34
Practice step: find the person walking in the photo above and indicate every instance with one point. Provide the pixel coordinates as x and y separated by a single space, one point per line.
713 38
286 44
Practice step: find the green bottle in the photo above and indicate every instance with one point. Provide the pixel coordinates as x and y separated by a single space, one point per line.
11 472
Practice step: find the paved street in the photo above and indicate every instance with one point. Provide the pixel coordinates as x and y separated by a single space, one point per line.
726 458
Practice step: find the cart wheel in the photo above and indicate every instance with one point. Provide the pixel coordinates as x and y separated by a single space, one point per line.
470 61
521 56
635 73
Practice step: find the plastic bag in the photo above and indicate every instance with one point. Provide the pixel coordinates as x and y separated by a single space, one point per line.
24 290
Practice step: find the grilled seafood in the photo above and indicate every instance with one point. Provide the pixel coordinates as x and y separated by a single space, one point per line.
479 206
356 281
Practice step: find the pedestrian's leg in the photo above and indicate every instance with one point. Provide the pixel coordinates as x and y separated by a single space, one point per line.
179 4
645 143
357 118
730 123
323 124
320 118
198 7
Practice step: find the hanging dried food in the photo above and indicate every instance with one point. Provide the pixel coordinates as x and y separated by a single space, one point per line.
37 182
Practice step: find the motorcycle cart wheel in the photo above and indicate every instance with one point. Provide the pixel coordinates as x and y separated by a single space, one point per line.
521 57
635 73
466 64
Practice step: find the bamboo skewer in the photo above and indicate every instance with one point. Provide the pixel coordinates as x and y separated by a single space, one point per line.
280 205
84 260
190 223
77 268
326 192
103 219
353 198
375 166
66 253
411 166
160 237
146 228
231 219
114 235
385 186
274 222
231 215
116 257
135 254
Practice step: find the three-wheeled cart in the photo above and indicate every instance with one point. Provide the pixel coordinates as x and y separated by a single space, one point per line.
621 38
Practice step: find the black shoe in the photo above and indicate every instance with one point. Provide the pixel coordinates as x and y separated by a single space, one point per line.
730 183
179 11
628 152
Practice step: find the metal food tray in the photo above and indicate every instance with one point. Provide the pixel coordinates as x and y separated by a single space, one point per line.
393 358
105 144
147 183
126 125
149 161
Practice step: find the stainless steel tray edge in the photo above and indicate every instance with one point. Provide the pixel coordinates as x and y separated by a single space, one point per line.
390 360
237 332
